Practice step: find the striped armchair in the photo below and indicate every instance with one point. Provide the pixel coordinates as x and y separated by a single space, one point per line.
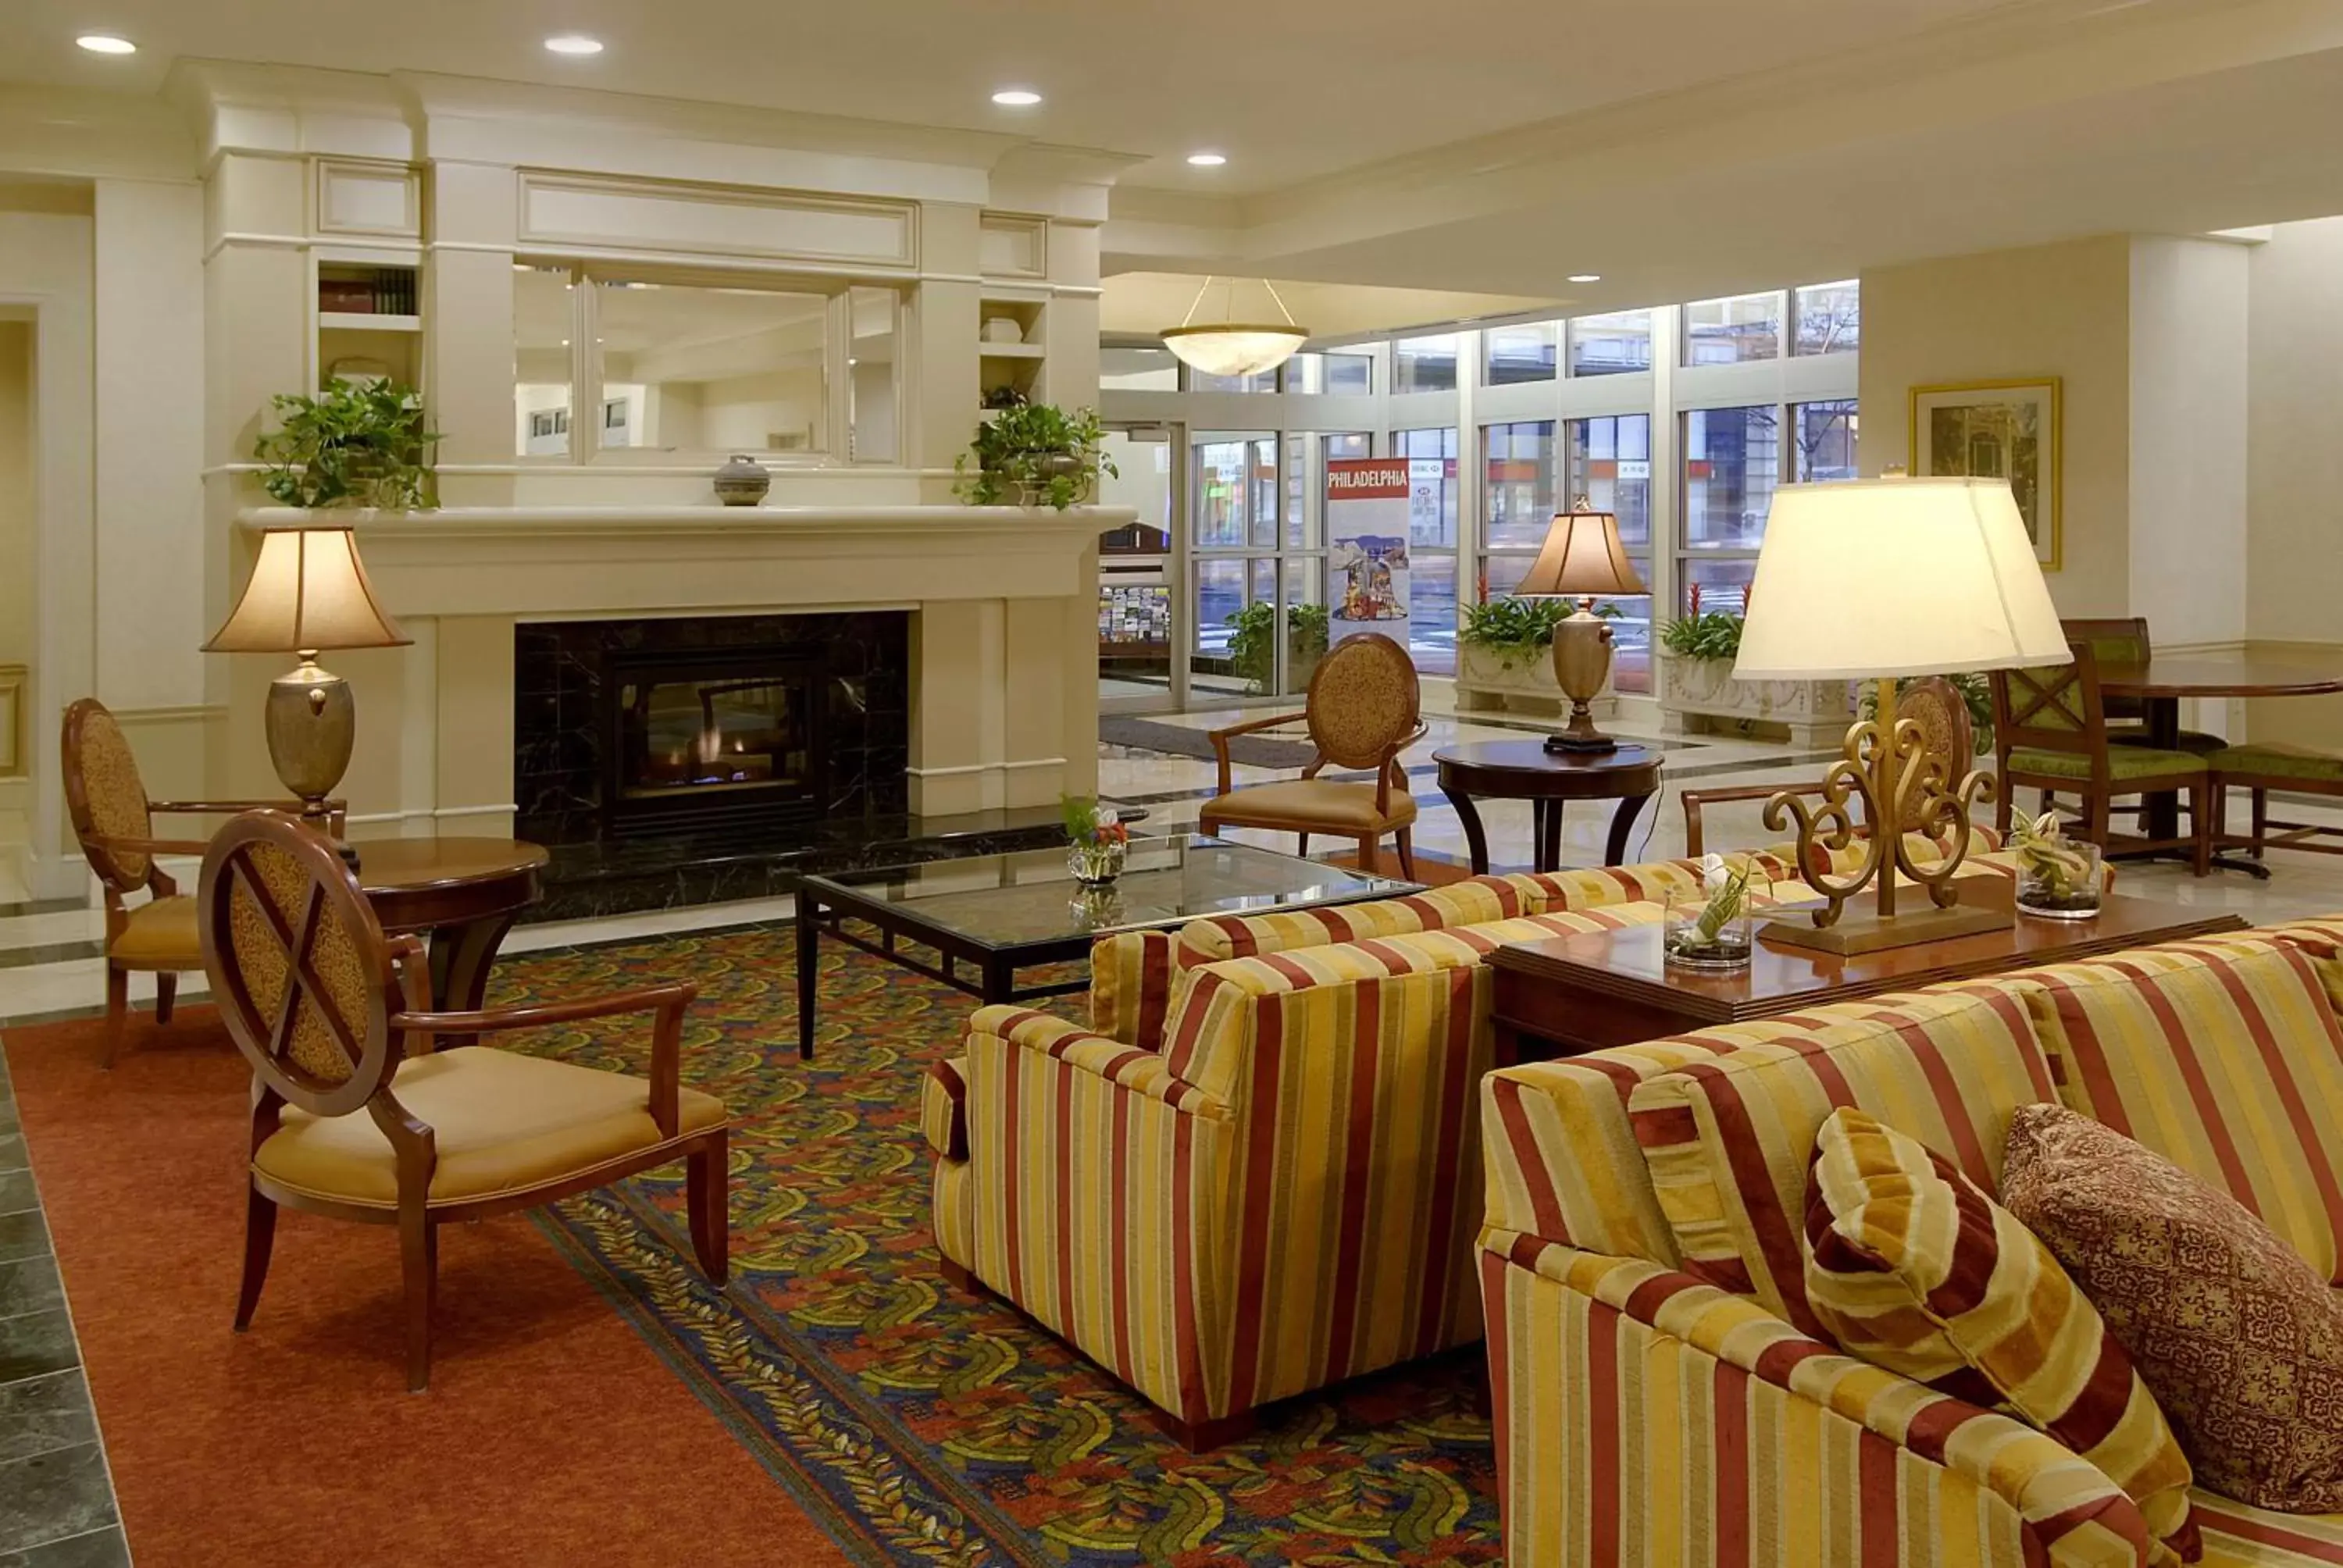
1663 1392
1286 1196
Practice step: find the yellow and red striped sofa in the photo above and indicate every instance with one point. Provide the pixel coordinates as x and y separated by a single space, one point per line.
1663 1394
1190 1189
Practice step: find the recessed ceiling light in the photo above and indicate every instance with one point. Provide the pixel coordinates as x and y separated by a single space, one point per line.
573 44
1207 160
1017 97
1585 277
106 44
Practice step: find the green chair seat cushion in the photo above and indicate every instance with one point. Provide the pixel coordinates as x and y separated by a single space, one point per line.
2123 762
2194 740
2279 761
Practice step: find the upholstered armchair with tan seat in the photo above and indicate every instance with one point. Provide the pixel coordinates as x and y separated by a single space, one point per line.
113 819
1363 709
356 1116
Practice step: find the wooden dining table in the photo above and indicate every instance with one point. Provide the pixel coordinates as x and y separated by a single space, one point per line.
2164 679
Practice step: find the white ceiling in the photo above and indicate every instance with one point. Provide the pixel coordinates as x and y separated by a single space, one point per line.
1680 148
1289 89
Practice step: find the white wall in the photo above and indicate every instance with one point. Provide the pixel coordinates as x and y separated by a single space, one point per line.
149 292
2295 404
45 278
2294 487
2189 421
18 494
2059 310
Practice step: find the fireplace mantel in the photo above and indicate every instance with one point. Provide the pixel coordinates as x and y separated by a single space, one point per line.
536 561
1004 604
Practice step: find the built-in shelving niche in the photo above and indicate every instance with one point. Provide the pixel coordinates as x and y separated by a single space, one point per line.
370 316
1022 366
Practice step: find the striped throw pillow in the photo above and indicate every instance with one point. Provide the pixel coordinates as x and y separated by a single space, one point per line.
1914 1269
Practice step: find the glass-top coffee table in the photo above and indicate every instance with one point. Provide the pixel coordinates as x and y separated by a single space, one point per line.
988 916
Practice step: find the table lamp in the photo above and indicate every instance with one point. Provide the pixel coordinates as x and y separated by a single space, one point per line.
1884 579
1581 558
309 592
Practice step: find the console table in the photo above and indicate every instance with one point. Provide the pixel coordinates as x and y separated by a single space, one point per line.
1567 995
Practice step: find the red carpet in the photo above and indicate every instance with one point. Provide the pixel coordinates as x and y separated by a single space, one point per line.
552 1435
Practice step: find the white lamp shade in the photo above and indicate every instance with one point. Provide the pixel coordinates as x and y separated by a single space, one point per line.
307 593
1232 349
1897 577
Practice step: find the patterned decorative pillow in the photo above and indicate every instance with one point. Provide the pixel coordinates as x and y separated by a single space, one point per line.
2241 1341
1914 1269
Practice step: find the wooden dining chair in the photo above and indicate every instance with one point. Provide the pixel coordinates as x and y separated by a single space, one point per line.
2050 733
1932 702
1363 709
2124 639
356 1116
115 822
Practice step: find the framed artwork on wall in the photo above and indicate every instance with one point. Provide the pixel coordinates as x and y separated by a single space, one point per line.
1997 430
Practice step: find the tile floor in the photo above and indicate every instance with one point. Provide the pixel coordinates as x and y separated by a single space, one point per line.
56 1498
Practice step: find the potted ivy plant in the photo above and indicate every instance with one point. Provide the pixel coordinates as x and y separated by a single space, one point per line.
1505 654
1697 681
355 444
1033 455
1253 648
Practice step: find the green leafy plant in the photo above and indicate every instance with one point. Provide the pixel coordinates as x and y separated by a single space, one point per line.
2046 855
1253 650
355 444
1975 691
1519 626
1714 635
1035 454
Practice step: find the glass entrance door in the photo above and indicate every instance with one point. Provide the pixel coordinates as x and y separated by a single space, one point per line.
1138 566
1257 561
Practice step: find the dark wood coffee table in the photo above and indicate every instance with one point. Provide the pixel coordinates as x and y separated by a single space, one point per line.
1566 995
1527 770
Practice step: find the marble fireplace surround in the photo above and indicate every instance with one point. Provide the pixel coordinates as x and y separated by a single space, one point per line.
1002 603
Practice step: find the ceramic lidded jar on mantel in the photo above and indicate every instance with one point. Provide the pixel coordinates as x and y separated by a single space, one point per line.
742 481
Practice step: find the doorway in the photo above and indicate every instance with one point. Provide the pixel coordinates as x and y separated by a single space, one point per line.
1140 627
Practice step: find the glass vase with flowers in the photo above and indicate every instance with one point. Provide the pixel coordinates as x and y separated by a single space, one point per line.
1096 840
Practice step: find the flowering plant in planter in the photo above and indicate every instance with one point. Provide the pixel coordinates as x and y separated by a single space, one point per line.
1096 840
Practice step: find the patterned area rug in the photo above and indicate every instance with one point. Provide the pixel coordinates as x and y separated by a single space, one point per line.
915 1422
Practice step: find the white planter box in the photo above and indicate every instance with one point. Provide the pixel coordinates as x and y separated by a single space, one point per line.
1488 681
1816 712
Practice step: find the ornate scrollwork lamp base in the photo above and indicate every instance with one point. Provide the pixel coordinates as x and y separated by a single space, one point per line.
1904 789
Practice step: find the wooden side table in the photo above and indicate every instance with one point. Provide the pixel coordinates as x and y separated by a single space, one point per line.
1567 995
461 894
1527 770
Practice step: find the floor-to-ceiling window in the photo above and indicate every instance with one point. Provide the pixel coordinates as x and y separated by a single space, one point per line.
1518 500
1680 419
1432 509
1610 464
1732 461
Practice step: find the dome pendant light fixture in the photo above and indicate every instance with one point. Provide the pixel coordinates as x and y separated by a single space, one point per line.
1232 347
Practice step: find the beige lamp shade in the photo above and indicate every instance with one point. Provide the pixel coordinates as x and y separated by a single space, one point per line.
307 593
1897 577
1582 556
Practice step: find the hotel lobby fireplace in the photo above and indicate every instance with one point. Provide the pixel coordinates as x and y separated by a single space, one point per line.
629 729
